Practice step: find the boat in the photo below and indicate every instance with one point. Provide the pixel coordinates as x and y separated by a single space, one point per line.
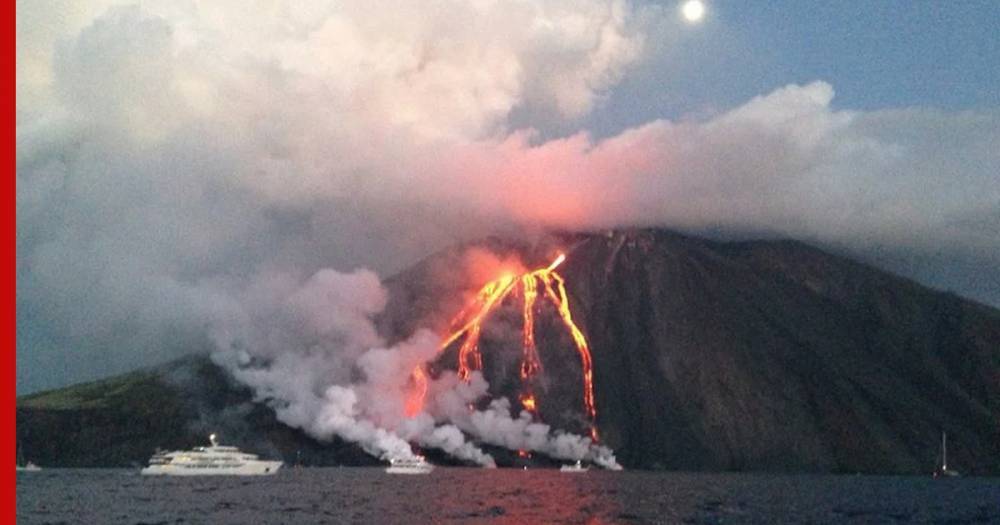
943 471
577 467
28 467
214 460
414 465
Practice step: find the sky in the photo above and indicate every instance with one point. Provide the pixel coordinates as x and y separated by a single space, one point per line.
179 160
888 54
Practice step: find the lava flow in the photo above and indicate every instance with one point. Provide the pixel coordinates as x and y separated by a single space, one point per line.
530 284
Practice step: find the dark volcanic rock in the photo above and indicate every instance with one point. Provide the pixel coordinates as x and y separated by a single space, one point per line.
767 356
737 356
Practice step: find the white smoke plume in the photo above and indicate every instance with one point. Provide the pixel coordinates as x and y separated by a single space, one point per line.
446 437
495 425
310 350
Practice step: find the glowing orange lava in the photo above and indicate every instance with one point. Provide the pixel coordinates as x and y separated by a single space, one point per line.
415 401
528 402
530 364
489 297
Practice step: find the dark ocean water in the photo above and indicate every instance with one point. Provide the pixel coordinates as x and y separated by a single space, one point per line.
457 495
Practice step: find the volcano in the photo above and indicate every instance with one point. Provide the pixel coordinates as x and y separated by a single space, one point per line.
704 355
755 355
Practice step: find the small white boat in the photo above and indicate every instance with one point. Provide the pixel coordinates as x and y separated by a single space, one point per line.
414 465
25 467
577 467
28 467
214 460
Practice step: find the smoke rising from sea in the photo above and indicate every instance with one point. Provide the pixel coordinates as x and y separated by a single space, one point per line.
311 351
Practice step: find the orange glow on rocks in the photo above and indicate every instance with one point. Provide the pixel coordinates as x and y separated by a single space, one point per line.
530 364
528 402
528 285
418 391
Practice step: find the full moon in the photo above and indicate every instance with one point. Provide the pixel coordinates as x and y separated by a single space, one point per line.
693 11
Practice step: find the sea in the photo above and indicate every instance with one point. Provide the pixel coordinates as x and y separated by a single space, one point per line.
468 495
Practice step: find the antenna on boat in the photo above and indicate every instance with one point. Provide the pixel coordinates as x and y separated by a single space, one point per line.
213 440
944 450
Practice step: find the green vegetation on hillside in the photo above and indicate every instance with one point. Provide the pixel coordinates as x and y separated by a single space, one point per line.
96 394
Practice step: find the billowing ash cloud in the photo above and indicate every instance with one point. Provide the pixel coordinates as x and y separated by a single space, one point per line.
310 350
182 164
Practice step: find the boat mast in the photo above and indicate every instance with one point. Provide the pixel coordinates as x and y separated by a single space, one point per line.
944 450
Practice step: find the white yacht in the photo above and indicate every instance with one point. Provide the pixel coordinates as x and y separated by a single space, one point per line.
578 467
414 465
213 460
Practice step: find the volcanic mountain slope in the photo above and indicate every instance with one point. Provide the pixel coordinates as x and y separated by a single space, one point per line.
768 356
756 355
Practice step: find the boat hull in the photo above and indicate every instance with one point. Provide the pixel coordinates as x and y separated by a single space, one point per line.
410 470
255 468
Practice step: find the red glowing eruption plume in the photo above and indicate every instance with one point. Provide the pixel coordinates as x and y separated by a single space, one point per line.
552 286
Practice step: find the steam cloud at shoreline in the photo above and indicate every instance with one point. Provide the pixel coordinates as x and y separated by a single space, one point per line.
300 347
183 168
